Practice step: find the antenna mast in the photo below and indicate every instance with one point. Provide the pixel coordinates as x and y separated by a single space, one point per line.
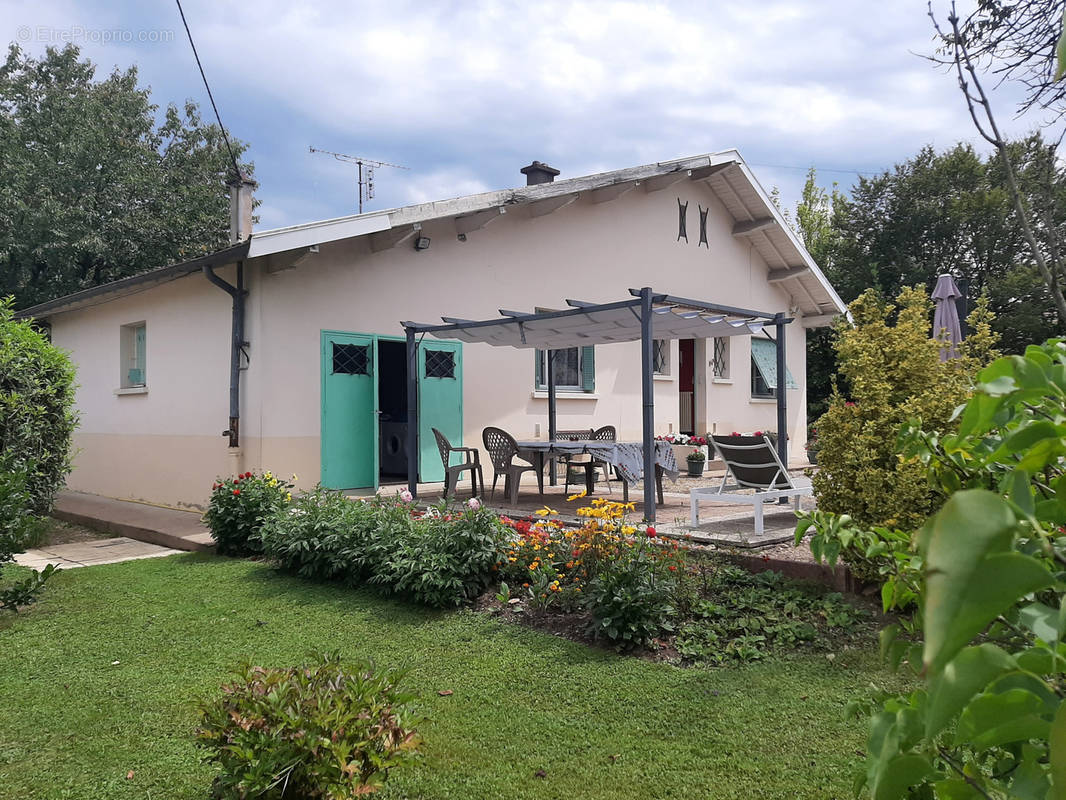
366 167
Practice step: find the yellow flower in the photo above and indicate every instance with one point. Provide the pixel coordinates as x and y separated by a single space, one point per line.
295 477
268 475
577 496
288 497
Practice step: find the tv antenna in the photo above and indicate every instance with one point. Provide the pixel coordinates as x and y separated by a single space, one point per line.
366 167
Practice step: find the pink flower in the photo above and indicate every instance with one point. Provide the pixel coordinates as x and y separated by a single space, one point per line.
473 503
406 496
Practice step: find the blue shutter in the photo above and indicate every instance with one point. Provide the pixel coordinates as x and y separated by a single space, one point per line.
588 369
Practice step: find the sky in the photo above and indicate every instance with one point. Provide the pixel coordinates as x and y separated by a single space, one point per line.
464 93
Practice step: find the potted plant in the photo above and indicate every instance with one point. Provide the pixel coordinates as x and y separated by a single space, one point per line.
812 445
696 461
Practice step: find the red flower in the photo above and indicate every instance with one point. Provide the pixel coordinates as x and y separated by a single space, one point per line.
236 492
673 568
651 532
247 474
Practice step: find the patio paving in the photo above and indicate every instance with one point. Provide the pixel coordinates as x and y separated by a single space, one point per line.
87 554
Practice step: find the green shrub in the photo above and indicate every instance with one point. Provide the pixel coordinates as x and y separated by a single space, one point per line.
239 507
443 558
630 596
323 535
19 527
23 592
319 731
893 374
37 419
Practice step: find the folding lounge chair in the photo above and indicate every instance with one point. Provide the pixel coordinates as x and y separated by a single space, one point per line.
752 463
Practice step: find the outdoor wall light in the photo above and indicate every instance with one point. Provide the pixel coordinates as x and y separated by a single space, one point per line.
422 243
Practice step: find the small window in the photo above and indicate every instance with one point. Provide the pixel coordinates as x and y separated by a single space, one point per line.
764 369
661 356
133 348
440 364
351 359
720 359
575 369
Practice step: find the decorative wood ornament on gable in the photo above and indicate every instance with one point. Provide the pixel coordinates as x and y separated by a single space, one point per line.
682 220
703 225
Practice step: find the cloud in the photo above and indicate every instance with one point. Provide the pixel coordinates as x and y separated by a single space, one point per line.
467 92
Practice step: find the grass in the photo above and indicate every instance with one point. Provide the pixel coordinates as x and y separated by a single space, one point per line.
74 724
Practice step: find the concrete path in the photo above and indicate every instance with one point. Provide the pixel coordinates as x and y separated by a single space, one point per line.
167 527
87 554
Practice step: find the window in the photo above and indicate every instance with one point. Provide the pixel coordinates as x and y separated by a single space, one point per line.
440 363
720 359
351 359
661 356
764 369
132 354
575 369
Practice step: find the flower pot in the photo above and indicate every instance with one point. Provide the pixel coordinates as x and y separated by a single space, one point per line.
695 468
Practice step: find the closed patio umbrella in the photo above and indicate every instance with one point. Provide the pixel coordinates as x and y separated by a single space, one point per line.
946 316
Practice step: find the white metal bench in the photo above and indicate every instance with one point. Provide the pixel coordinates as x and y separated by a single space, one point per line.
753 463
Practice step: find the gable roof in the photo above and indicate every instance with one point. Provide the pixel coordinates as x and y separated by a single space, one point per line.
754 214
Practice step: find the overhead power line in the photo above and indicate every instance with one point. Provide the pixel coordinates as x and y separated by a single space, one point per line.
211 97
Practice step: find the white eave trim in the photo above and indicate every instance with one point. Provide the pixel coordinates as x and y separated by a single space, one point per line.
296 236
793 239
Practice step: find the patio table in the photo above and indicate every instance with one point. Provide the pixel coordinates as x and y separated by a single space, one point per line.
626 457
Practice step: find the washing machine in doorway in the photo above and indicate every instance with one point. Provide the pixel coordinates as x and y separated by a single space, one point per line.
392 458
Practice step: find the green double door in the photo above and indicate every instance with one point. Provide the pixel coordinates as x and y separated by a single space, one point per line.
351 375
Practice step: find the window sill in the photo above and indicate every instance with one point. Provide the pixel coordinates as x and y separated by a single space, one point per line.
723 381
131 390
668 378
765 401
567 394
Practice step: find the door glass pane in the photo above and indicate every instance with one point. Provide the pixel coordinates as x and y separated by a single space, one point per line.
351 359
440 364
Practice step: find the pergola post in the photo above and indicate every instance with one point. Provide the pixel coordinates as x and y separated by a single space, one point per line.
552 427
412 413
782 389
647 394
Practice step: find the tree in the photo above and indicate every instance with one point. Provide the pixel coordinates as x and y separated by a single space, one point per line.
94 188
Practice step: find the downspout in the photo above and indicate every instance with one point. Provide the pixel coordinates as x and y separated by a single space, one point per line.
241 203
237 344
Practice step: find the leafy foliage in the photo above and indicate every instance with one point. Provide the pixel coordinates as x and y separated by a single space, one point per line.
442 557
18 526
322 535
240 506
737 616
325 730
94 188
26 591
37 417
894 373
984 584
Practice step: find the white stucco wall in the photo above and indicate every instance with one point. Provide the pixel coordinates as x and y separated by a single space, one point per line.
166 445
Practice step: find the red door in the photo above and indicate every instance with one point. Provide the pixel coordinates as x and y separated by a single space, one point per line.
686 383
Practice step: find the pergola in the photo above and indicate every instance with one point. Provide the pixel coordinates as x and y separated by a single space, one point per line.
647 315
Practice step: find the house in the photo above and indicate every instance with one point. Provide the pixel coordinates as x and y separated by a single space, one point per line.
286 351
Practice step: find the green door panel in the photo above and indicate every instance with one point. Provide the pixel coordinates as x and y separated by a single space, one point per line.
440 403
349 411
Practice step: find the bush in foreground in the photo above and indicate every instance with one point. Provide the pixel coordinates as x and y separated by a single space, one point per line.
320 731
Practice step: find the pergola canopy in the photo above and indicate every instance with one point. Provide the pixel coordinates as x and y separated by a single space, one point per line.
646 316
604 323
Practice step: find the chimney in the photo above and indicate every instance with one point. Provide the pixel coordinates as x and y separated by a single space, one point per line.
241 200
538 172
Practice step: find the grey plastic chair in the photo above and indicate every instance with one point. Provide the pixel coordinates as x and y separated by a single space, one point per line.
471 461
607 433
503 449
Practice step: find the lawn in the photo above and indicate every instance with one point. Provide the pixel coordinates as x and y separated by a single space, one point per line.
531 715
